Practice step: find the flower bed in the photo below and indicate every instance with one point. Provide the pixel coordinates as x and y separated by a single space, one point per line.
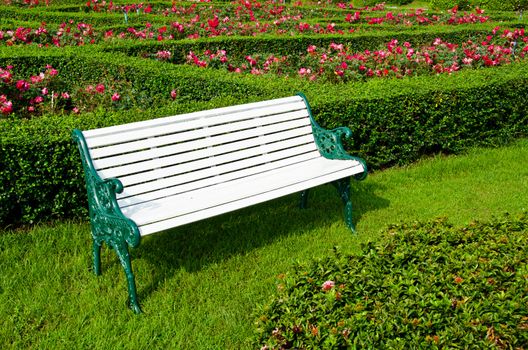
338 63
46 93
216 21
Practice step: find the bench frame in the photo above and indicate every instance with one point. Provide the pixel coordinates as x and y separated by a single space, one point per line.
109 225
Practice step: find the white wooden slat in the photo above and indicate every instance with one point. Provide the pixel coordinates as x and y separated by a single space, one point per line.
207 179
189 177
243 202
182 125
271 124
188 116
224 163
182 147
216 155
232 191
159 152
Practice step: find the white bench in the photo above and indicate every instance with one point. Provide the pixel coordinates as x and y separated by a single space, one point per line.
154 175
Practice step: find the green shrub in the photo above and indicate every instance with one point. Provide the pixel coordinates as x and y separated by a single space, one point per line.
507 5
395 122
449 4
425 285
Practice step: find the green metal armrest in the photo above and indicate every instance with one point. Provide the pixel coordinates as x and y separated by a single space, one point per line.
330 142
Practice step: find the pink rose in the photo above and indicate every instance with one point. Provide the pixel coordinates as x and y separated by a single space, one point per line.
328 285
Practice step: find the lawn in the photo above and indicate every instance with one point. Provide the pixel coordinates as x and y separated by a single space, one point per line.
199 284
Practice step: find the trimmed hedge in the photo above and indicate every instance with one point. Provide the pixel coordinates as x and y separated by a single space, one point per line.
394 122
423 286
296 45
150 78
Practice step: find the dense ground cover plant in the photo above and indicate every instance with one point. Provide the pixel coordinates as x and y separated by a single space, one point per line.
339 63
425 285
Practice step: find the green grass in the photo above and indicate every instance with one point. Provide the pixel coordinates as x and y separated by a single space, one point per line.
199 284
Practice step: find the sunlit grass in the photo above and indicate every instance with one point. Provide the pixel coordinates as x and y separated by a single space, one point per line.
198 284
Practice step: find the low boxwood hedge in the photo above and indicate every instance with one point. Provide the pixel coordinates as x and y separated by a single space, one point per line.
423 286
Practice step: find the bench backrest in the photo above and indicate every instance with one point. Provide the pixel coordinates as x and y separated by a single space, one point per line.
160 157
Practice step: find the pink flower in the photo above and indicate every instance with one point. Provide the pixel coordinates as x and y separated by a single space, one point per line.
116 97
44 91
6 106
36 79
311 49
173 94
328 285
163 55
304 71
76 110
22 85
100 88
251 60
65 95
39 99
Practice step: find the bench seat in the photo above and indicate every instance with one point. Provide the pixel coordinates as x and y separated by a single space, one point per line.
167 212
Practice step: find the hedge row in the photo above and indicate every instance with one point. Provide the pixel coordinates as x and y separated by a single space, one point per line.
292 46
394 121
151 79
54 14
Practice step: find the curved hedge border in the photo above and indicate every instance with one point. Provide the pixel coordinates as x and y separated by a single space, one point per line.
423 286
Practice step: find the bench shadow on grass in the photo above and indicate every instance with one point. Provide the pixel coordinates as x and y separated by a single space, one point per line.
194 246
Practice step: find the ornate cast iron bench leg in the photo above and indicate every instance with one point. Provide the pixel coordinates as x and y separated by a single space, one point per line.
343 188
114 239
121 249
304 199
97 257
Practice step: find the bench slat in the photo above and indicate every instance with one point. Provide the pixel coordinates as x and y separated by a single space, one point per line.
207 178
201 114
189 177
222 164
222 154
206 204
256 127
231 138
231 191
184 124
